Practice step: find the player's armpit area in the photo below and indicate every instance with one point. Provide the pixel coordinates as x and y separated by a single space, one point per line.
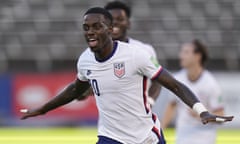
79 88
86 94
154 90
168 81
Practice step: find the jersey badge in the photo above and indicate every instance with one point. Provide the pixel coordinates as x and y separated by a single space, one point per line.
119 69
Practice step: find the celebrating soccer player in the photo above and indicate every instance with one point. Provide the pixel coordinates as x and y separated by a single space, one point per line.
121 14
117 73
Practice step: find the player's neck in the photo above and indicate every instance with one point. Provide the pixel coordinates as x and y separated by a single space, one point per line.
194 72
124 39
106 51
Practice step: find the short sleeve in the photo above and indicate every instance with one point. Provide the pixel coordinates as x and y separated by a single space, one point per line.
147 65
81 77
80 73
152 51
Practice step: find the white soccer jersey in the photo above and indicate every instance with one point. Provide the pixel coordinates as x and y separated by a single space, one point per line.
190 130
143 46
150 50
119 84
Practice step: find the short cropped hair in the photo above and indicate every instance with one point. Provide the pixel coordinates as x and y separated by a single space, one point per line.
119 5
200 48
99 10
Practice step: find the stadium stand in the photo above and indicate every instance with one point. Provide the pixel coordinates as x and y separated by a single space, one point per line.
46 35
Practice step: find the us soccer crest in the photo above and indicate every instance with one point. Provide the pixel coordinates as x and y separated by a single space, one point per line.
119 69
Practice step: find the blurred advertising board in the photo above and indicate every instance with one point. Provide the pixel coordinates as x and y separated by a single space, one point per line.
5 95
33 90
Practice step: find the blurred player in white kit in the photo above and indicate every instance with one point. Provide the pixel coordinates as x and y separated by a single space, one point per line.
193 57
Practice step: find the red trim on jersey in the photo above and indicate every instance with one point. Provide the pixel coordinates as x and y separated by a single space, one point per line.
154 117
157 74
156 131
145 95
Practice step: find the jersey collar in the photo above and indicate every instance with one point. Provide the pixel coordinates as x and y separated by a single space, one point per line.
115 44
128 40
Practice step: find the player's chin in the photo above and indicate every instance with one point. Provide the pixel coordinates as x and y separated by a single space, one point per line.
94 48
184 65
116 36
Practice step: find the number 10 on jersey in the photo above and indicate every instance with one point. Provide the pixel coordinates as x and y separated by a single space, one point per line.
95 88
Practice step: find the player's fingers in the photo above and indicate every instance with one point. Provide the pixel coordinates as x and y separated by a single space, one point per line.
28 115
204 121
213 118
24 117
209 119
25 112
224 118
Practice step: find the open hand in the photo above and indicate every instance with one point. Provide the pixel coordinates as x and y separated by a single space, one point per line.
206 117
31 113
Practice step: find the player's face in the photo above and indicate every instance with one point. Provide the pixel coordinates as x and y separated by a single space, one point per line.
120 24
187 56
96 31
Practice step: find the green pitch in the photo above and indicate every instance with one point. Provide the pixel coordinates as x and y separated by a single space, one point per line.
83 136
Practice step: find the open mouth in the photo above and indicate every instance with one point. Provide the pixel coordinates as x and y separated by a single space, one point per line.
92 42
116 30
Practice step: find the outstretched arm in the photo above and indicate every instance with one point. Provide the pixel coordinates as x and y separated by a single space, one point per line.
177 88
71 92
188 97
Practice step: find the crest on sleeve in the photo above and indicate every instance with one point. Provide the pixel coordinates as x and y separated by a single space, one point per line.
119 69
88 72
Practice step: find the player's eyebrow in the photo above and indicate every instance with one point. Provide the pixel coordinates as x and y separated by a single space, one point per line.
100 23
84 23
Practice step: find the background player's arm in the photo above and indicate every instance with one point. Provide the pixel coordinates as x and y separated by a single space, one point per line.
218 112
169 114
188 97
71 92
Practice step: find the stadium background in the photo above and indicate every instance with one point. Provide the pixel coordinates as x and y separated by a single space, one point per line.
40 41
